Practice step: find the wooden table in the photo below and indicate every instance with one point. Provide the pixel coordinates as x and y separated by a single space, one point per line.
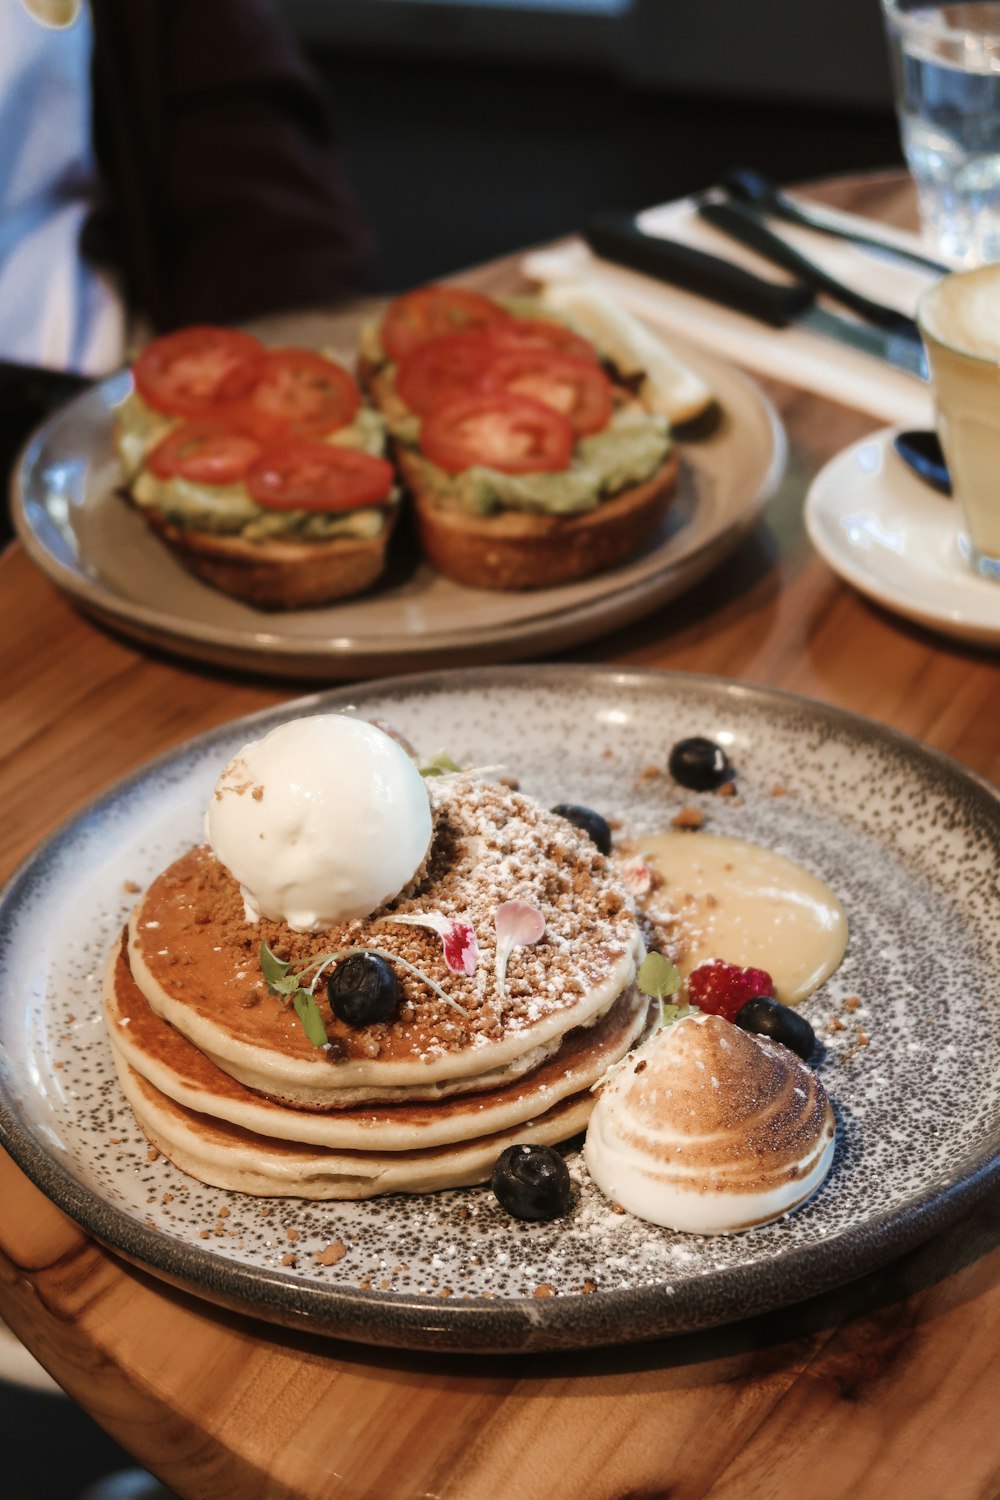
888 1388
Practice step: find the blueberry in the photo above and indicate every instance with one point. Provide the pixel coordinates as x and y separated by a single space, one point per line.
363 990
767 1017
532 1182
589 822
699 764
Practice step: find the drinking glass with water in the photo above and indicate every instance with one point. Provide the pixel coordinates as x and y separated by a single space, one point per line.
946 66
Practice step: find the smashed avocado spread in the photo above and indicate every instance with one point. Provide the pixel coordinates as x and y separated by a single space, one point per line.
227 509
630 449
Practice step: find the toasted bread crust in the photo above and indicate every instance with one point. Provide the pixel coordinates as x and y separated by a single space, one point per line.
277 574
519 550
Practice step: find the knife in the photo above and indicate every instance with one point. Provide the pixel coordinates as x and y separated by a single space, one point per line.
618 238
746 226
752 187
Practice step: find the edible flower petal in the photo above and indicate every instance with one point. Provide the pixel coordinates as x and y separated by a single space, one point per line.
458 938
518 925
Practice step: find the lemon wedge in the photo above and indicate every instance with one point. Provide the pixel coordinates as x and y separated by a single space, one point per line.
670 387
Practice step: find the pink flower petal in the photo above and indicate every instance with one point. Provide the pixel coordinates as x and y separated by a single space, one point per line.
637 876
518 923
458 938
461 948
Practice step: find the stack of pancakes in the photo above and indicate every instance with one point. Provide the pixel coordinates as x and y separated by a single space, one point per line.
224 1081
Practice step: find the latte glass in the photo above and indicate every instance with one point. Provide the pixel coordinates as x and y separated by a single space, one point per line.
959 320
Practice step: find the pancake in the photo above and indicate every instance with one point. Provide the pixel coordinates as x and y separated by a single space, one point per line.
194 955
175 1067
226 1156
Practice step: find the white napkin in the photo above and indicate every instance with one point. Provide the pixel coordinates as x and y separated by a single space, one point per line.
797 355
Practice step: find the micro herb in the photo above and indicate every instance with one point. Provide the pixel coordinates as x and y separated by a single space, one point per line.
438 765
658 977
297 982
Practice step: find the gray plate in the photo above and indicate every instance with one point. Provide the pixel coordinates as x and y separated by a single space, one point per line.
908 839
93 546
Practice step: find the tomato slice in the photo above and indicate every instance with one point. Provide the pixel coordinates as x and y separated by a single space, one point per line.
293 393
206 450
180 373
577 388
499 431
300 475
443 370
537 333
431 311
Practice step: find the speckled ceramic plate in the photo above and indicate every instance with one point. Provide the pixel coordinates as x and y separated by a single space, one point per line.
93 546
909 840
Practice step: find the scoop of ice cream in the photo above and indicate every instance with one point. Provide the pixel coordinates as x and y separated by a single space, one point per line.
322 820
710 1129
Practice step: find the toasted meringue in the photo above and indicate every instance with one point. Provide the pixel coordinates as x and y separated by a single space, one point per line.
709 1129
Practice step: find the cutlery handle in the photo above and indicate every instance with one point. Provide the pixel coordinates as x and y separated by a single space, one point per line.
618 238
752 187
744 225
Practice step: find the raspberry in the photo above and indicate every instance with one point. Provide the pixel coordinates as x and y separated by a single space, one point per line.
723 989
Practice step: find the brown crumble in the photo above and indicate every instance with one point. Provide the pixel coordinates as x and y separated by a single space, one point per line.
616 1208
291 1233
57 1063
385 1285
512 783
545 1290
650 773
463 1212
446 1291
779 791
688 817
640 1065
223 1212
607 754
167 1198
152 1154
258 794
862 1037
70 1019
589 1287
727 789
852 1002
330 1254
289 1258
132 887
204 1234
836 1024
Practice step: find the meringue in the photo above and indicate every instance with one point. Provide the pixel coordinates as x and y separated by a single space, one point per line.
709 1129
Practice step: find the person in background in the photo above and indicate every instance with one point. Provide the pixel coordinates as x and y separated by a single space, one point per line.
162 162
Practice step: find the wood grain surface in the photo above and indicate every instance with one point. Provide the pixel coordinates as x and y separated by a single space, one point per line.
887 1388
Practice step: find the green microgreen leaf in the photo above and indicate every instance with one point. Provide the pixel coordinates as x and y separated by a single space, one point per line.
307 1011
658 977
275 972
669 1013
438 765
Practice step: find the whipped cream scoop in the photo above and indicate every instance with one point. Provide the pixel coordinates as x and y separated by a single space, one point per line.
709 1129
323 820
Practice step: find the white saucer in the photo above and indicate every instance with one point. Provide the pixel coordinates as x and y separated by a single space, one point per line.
893 537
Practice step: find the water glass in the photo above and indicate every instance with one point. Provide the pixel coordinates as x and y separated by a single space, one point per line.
946 68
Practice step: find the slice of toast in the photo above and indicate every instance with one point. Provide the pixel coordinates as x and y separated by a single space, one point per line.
515 549
277 574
